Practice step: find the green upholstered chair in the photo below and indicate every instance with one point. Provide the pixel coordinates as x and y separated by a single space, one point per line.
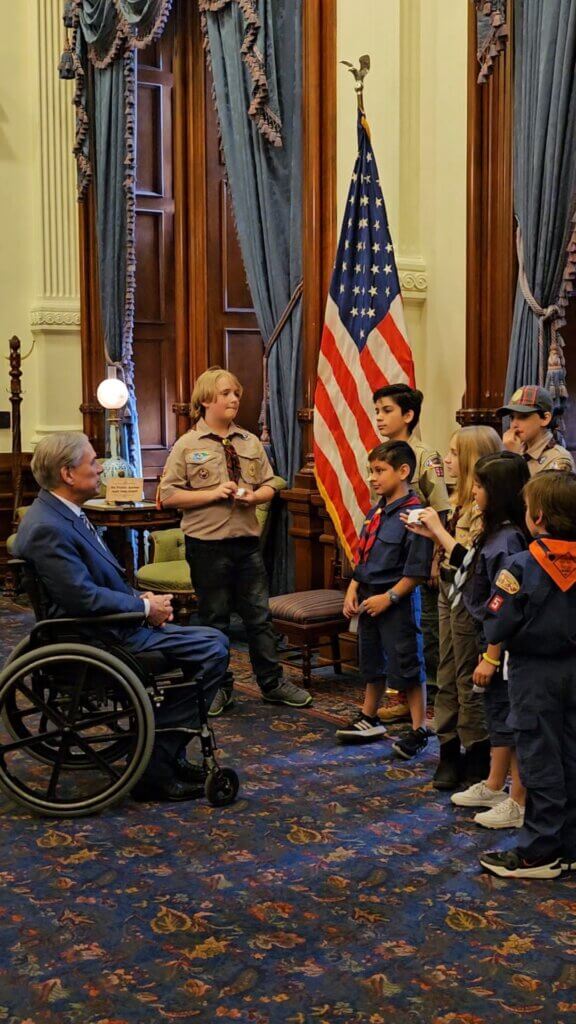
167 570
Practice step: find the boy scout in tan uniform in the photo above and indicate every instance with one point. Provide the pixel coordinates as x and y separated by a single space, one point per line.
218 473
393 405
531 410
198 461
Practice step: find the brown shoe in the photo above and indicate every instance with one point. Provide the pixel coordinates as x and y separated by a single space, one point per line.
394 713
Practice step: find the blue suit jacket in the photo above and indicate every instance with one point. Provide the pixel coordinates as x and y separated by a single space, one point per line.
80 575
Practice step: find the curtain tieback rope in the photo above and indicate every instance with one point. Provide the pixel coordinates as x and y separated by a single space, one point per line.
287 313
545 315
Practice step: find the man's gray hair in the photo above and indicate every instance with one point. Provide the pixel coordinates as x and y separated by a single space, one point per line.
53 453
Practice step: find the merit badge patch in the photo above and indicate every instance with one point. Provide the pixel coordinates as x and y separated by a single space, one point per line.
506 581
496 603
198 457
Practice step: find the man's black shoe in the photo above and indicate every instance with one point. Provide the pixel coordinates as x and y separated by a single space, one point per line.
172 789
193 774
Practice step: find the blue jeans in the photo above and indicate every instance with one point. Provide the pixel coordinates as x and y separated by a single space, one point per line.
229 576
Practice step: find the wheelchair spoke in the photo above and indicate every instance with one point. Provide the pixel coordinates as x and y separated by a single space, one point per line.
80 741
55 775
40 705
30 741
103 718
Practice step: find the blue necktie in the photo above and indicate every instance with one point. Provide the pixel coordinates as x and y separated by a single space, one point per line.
92 529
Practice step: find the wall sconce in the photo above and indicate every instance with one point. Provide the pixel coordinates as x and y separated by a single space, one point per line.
112 395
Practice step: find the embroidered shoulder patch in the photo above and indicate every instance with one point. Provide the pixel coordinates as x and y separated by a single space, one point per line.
506 581
496 603
435 463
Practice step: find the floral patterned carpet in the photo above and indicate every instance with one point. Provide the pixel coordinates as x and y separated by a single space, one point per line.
339 888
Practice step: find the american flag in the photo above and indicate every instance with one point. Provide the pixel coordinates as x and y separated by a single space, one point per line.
364 347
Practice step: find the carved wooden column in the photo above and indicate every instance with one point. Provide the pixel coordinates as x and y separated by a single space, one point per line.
491 260
319 246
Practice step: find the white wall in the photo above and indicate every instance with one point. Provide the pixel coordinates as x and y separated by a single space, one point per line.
415 99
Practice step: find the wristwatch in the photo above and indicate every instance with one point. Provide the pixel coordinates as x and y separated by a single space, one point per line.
392 596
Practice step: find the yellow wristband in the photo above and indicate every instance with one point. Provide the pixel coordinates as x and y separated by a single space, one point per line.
491 661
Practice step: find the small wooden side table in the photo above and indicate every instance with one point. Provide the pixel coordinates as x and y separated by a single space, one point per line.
141 516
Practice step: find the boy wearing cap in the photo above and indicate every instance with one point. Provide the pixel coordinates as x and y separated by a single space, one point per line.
531 411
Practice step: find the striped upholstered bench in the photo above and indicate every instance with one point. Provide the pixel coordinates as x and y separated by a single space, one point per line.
307 619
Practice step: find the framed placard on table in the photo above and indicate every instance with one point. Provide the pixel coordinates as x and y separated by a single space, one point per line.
117 518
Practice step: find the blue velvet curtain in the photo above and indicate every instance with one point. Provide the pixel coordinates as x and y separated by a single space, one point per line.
256 60
105 35
544 188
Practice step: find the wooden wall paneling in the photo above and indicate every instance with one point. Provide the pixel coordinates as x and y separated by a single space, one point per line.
319 246
189 147
491 267
154 333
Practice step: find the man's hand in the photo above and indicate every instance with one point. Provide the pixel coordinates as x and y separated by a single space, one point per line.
374 606
225 491
512 442
351 600
482 675
160 609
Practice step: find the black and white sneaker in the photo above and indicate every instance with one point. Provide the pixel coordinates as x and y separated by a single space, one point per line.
411 744
568 863
362 729
512 864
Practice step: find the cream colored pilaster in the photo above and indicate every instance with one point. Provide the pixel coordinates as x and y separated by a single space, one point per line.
411 263
55 315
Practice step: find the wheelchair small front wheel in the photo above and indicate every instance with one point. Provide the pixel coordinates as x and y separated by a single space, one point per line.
221 787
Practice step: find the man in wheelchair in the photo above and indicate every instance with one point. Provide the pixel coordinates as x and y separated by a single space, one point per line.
81 578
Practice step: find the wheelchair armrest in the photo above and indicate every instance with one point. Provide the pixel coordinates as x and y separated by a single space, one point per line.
120 619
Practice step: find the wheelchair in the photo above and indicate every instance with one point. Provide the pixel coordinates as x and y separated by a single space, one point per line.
77 718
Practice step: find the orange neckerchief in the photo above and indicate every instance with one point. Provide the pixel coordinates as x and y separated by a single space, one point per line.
557 558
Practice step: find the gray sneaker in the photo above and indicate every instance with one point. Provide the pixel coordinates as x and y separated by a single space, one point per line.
222 700
287 693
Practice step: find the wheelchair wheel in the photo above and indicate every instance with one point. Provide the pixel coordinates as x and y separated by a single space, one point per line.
72 706
221 787
16 714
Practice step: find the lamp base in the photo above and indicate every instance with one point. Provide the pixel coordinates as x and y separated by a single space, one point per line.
115 466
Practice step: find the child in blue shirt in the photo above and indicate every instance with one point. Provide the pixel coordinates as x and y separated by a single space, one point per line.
384 593
532 610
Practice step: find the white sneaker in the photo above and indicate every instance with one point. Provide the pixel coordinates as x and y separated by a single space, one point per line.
479 795
506 814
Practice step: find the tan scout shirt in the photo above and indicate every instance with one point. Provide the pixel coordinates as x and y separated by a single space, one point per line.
466 528
546 454
199 462
428 480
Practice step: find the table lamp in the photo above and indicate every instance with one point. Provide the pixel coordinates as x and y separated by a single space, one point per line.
112 394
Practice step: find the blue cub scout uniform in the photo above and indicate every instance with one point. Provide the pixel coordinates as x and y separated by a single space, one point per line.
391 643
535 617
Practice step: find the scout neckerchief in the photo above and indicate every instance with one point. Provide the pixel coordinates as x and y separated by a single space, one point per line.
557 558
370 528
232 460
463 571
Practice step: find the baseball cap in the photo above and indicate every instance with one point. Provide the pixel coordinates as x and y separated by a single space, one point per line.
528 399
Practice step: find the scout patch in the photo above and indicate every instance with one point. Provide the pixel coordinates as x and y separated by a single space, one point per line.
434 463
198 457
496 603
558 559
507 582
252 470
